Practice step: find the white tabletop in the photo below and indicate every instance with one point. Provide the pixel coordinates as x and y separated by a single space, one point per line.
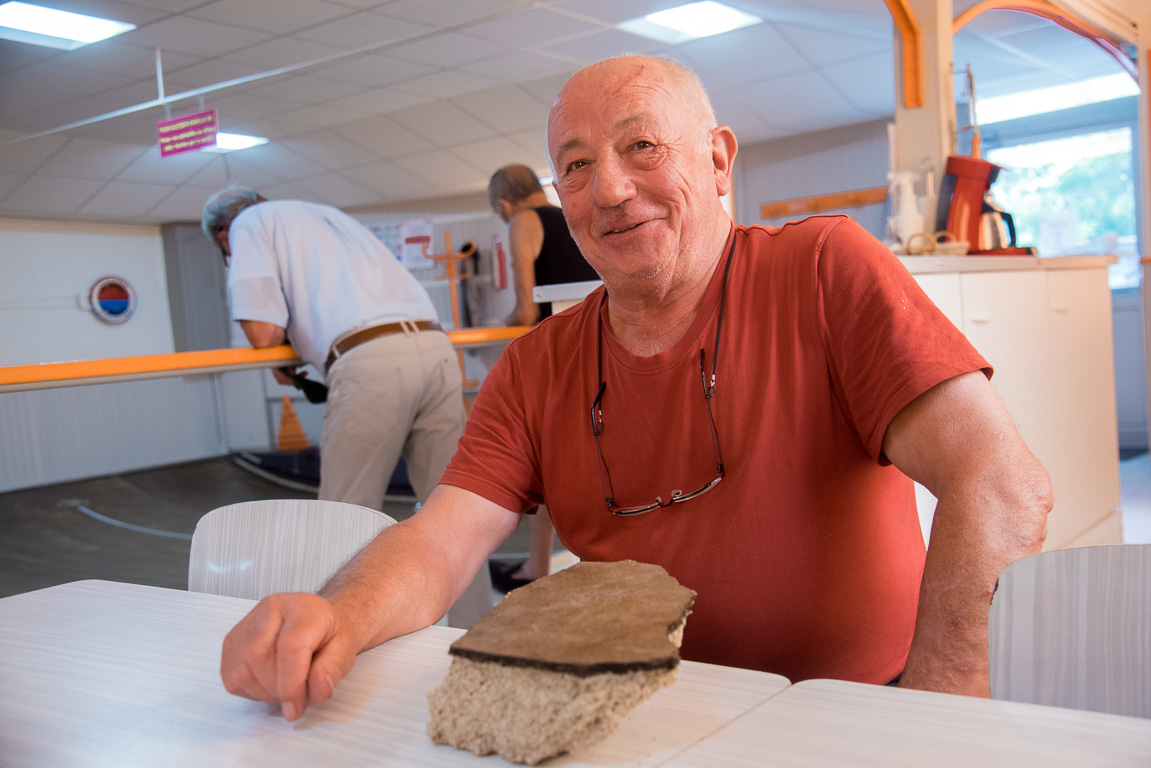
98 673
835 723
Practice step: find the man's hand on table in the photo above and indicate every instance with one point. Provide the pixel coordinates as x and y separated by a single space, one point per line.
290 649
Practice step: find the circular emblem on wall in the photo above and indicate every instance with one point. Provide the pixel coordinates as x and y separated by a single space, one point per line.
113 299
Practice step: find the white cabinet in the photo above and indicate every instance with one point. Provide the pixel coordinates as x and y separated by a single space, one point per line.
1045 325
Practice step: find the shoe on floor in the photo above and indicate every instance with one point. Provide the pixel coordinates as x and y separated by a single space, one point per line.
502 578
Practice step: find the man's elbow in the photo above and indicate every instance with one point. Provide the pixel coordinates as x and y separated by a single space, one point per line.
1035 501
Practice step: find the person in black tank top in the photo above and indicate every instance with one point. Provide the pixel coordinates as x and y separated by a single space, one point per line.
543 253
542 249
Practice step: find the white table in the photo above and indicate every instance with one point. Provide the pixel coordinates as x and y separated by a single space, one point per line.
835 723
98 673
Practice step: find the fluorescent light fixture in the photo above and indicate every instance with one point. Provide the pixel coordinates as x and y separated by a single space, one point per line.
230 142
51 27
1064 96
688 22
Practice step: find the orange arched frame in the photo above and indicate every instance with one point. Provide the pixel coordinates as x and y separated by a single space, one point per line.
912 49
1060 16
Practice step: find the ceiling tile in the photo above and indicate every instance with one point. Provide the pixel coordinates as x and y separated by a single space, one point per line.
603 43
532 141
14 55
209 73
743 56
24 101
315 117
211 177
194 37
392 183
69 80
9 182
615 11
507 108
241 172
168 6
174 169
302 89
244 107
801 103
362 5
27 156
50 195
547 88
443 85
446 50
731 109
530 28
491 154
442 123
181 204
384 137
88 159
329 150
822 47
441 14
131 61
280 162
124 200
361 29
133 13
512 66
371 70
379 102
867 83
335 189
1003 22
281 52
288 15
444 171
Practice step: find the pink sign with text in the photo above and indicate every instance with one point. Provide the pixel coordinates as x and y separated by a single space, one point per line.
184 134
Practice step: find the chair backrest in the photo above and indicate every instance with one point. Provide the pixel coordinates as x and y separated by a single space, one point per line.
1072 628
257 548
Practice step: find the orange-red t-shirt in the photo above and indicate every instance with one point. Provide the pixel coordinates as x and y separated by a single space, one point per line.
807 557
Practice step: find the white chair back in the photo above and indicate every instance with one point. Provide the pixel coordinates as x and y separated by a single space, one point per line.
1072 628
257 548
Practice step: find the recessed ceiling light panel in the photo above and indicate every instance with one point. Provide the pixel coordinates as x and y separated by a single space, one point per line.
689 22
230 142
51 27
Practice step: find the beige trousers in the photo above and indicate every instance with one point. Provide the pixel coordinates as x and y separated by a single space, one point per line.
396 395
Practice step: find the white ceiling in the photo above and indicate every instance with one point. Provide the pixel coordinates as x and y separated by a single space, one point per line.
410 99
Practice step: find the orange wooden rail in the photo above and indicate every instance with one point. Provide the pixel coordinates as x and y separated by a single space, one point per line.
806 205
74 373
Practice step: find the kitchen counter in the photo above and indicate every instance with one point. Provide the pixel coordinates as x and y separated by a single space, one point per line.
928 263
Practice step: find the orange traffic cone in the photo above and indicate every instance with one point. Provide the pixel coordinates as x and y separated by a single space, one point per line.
292 436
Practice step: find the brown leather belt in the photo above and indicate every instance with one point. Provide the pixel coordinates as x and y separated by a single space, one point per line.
348 343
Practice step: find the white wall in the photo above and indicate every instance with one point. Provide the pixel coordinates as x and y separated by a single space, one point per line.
48 269
54 435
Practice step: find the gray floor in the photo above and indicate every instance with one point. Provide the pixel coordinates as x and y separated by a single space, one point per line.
49 535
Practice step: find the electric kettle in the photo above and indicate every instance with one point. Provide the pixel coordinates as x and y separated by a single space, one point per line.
996 227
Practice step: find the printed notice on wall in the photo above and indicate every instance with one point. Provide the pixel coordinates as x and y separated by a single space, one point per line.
187 133
415 235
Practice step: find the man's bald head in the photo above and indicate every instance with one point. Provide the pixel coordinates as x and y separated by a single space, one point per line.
613 72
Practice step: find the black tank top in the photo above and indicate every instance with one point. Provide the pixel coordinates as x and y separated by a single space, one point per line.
560 260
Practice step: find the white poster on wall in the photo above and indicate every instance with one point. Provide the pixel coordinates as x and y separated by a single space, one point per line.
415 235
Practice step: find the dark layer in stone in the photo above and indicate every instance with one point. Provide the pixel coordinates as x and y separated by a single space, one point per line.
584 620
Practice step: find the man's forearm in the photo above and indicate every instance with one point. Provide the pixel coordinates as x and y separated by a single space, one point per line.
414 571
969 549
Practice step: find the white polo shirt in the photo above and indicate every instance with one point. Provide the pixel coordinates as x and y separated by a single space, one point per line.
318 273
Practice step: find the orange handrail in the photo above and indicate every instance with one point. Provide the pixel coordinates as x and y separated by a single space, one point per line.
73 373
